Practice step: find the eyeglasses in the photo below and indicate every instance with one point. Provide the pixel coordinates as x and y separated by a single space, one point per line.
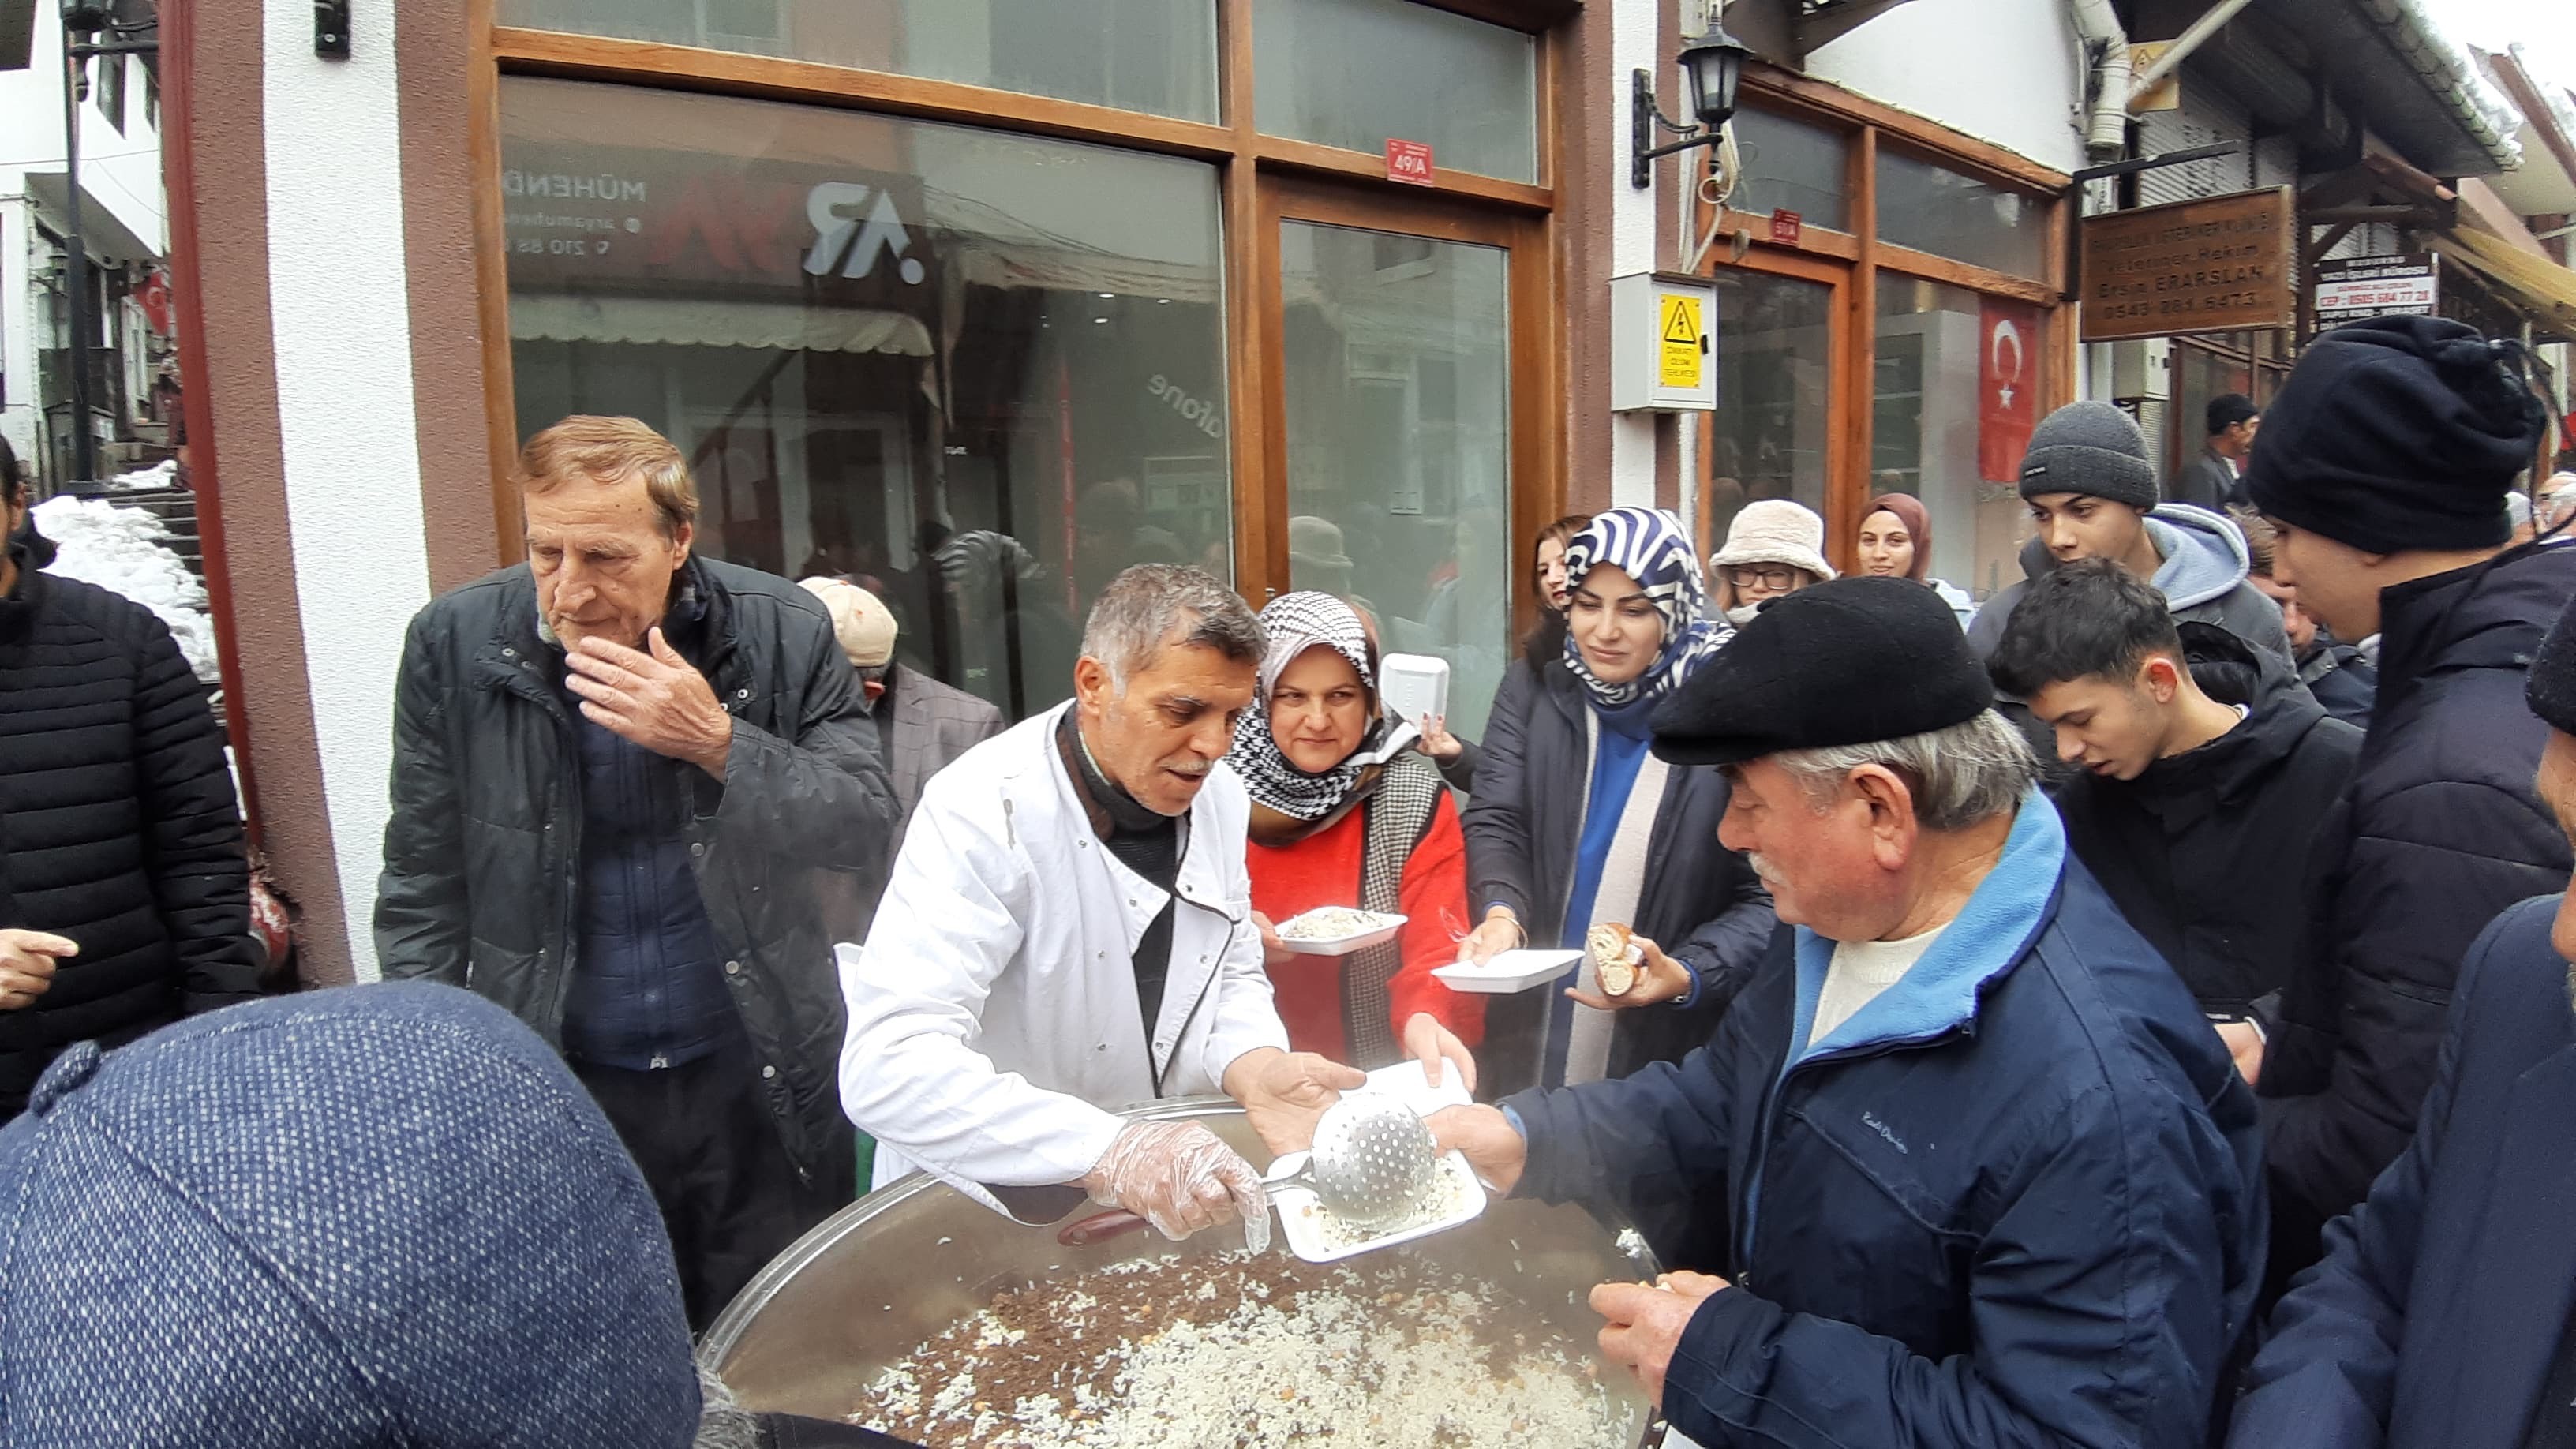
1769 576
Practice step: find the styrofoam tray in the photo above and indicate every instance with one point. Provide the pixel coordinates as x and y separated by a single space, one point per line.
1377 935
1509 971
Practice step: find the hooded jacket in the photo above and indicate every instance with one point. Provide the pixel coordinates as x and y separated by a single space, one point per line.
2207 852
483 849
2440 830
2014 1200
2202 578
1701 903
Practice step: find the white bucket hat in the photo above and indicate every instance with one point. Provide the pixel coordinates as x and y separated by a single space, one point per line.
1775 531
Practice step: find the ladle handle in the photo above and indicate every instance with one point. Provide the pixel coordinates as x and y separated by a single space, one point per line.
1099 1228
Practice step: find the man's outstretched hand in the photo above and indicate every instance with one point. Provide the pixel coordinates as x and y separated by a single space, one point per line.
1284 1092
1646 1322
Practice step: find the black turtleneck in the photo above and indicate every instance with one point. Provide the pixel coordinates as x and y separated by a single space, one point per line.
1146 842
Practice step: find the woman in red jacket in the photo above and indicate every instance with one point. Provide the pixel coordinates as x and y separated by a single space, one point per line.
1346 813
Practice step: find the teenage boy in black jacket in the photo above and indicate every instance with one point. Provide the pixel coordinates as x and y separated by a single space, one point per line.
2197 798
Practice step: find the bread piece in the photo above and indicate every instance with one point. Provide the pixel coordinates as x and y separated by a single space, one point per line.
1615 958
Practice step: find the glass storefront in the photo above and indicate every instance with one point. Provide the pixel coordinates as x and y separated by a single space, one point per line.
1957 377
1932 208
1774 378
1157 56
1353 73
978 372
1792 165
1398 393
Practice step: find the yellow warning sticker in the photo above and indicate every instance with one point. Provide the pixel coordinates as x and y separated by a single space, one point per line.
1683 355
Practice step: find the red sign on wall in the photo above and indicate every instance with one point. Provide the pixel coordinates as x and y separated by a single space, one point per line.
2007 387
1786 226
1408 161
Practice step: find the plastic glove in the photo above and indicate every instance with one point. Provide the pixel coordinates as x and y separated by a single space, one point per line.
1181 1177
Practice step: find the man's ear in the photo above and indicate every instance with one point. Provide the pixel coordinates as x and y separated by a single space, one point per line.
1092 686
2161 678
1891 813
681 540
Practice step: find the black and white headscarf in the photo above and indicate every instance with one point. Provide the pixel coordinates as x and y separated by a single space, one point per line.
1650 546
1294 623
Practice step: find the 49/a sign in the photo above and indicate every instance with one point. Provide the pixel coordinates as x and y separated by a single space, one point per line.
2221 264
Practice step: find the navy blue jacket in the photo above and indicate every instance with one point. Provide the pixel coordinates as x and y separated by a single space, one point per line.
2434 1316
2443 831
2015 1200
1702 903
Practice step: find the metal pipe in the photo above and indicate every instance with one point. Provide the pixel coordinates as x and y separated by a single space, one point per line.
2106 129
2190 40
76 274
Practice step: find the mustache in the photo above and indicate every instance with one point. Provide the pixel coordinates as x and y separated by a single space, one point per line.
1192 768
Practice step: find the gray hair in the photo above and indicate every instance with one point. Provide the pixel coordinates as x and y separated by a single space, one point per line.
1961 775
1144 607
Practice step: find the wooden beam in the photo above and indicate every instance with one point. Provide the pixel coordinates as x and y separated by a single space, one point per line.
2315 251
1894 258
1359 166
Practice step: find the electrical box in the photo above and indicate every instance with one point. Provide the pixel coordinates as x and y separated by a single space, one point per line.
1663 343
2142 369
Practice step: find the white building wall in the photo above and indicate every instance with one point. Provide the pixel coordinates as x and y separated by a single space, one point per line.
1633 47
340 311
2005 71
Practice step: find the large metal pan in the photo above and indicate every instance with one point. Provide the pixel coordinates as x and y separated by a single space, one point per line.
897 1266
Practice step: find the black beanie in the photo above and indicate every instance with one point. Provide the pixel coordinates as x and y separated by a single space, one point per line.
2227 410
2093 448
2397 434
1850 662
2551 684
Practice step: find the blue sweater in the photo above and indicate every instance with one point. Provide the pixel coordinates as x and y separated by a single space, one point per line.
647 986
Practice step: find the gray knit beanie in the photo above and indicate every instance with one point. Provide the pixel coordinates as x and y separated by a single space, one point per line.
2093 448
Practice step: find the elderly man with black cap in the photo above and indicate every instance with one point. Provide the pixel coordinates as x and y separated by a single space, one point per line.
2440 1316
1963 1166
2384 467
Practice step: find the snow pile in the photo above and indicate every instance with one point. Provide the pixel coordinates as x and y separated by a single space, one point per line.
164 474
120 550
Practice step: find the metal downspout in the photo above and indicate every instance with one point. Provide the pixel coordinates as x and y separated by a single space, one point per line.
2106 129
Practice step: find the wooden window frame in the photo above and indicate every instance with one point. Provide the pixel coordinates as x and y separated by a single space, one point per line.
1853 259
1256 173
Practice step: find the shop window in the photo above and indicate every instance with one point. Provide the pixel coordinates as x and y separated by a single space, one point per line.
1775 375
1157 56
1957 388
1399 427
1792 165
1354 73
1950 214
979 372
110 90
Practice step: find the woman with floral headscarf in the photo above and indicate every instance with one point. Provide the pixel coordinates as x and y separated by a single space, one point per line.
1346 813
1575 825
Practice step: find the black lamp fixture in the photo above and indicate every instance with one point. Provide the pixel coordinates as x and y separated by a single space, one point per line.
1712 65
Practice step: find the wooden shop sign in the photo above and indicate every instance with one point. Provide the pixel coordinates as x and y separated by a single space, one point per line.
2220 264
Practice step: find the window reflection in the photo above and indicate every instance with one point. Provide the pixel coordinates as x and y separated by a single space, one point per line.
1353 73
1774 372
1399 435
1139 55
977 373
1947 213
1934 435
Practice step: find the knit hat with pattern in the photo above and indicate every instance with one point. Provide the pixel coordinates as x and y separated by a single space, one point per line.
373 1216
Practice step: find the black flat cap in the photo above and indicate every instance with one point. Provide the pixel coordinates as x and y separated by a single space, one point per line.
1851 662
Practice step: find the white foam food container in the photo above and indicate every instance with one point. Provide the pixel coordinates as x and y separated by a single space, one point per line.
1378 934
1509 971
1413 685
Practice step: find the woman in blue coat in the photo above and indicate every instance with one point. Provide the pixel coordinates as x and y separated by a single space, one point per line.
1573 825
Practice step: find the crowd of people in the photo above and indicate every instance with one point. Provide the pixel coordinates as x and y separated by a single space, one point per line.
2128 1010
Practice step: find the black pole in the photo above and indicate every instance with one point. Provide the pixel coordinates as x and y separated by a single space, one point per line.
76 272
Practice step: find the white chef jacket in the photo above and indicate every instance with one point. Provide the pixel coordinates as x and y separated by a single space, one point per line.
993 1013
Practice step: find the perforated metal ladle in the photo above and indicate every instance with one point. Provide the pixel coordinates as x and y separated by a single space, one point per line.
1373 1164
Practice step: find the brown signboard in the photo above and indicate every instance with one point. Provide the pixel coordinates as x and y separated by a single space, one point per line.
2223 264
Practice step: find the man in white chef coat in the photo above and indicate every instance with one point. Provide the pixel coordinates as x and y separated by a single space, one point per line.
1067 931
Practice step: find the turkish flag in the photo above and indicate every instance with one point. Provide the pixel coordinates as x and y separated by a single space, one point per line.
2007 386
